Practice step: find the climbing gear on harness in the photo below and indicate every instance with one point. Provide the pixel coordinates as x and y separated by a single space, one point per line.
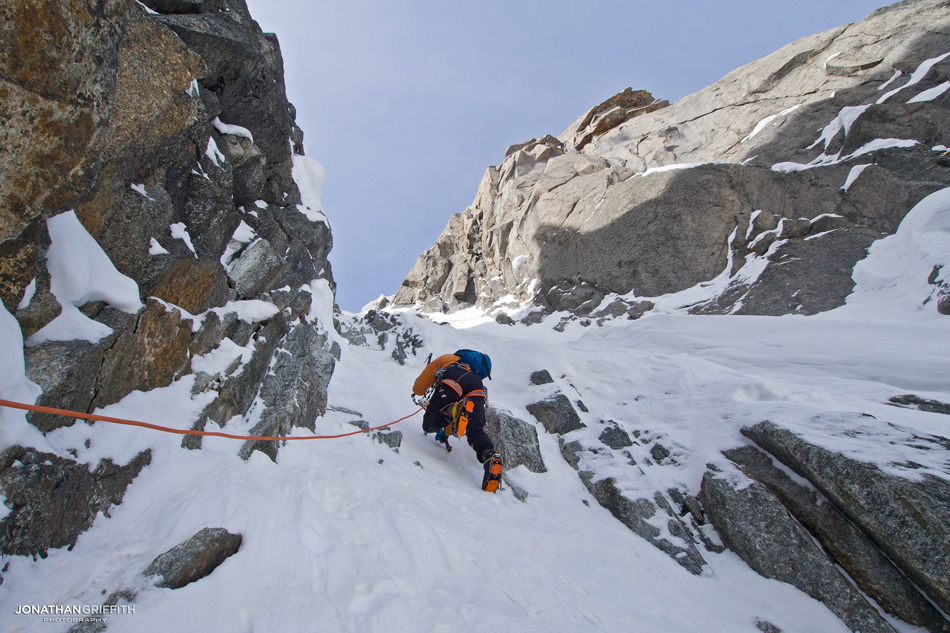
492 479
458 413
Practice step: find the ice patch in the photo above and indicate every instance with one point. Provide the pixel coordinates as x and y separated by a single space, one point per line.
897 73
81 272
677 166
155 248
242 235
853 175
916 77
221 358
233 130
214 153
764 123
147 10
310 176
140 189
824 160
845 119
825 65
930 95
180 232
27 295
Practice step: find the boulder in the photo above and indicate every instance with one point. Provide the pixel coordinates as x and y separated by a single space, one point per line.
541 377
195 558
256 269
392 439
515 439
615 437
67 371
195 286
556 414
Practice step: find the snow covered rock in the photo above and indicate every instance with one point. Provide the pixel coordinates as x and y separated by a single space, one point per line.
541 377
556 414
293 391
654 520
52 500
905 516
845 544
195 558
754 524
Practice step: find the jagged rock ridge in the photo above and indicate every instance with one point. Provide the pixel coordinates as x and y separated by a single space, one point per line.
642 199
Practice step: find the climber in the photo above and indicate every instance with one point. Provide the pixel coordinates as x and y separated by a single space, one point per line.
456 406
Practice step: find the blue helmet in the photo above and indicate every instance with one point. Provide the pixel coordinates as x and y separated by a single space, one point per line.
478 362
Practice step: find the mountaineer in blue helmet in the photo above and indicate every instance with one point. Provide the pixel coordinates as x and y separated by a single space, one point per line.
457 406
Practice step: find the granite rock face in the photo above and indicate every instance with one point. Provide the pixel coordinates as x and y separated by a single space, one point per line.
164 125
751 178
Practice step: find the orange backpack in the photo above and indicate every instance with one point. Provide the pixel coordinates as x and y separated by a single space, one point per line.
427 377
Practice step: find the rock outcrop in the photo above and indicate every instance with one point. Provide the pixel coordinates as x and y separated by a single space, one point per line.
802 158
161 132
52 500
840 529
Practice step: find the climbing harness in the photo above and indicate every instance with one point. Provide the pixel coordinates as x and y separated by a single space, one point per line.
165 429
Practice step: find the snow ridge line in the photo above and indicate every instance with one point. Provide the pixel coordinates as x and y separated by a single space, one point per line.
165 429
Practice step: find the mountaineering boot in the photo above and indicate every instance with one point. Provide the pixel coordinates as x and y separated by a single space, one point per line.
492 478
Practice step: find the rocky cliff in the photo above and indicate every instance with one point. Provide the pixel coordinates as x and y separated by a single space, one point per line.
773 181
158 223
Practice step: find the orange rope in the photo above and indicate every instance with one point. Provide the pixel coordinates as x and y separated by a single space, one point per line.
165 429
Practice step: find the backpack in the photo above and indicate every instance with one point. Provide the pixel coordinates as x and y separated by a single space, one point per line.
477 362
428 376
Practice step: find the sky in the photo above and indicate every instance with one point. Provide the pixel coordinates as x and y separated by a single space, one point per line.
406 104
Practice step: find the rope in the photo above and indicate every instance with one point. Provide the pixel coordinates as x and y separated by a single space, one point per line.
165 429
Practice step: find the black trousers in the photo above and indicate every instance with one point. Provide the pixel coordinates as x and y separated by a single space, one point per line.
445 396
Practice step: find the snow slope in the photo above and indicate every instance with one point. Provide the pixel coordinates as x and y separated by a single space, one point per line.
348 535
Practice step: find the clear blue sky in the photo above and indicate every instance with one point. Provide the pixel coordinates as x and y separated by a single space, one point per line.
406 103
